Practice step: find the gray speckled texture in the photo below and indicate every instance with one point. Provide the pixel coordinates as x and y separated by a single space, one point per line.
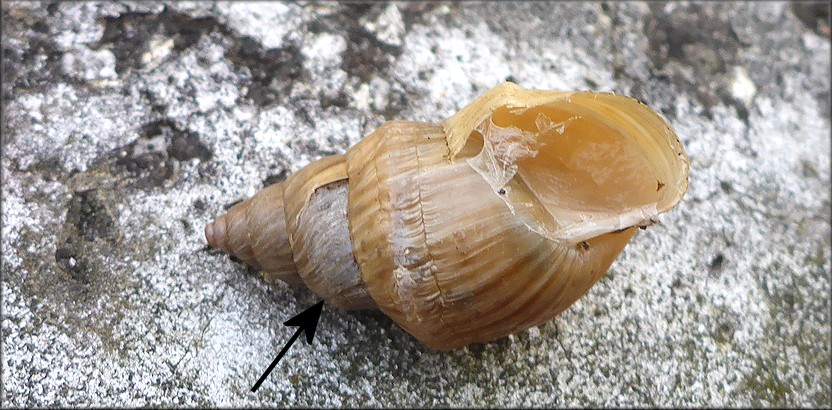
128 126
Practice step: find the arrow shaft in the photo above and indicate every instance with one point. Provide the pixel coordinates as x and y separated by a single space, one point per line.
277 359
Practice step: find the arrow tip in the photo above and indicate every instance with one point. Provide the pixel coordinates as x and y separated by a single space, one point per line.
307 320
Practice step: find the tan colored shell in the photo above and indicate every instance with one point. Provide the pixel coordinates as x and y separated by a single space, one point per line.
494 221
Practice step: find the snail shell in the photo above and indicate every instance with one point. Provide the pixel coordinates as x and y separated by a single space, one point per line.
489 223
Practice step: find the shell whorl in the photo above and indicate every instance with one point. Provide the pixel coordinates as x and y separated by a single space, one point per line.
255 232
296 231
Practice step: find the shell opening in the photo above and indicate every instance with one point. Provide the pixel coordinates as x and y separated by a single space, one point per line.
581 166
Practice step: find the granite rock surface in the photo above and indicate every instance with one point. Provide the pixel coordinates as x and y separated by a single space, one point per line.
128 126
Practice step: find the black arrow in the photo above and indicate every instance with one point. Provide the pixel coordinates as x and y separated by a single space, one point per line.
306 320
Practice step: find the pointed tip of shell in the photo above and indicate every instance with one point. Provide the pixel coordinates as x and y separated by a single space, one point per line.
215 233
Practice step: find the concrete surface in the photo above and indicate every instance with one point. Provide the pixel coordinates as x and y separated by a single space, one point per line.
128 126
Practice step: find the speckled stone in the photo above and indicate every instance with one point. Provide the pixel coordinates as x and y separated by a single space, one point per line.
128 126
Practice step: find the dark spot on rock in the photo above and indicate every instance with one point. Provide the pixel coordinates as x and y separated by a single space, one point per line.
724 332
788 299
693 35
501 191
396 102
275 178
695 47
366 55
742 111
52 8
726 187
41 27
676 283
340 100
88 223
200 205
584 245
716 262
89 216
590 83
416 12
64 253
186 145
670 111
808 169
273 71
186 225
628 291
152 159
659 186
50 169
67 259
35 61
304 108
815 15
129 35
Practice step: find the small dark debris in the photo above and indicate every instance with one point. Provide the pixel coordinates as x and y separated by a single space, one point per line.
186 225
716 262
659 186
726 187
64 253
200 205
590 83
501 191
185 145
584 245
676 283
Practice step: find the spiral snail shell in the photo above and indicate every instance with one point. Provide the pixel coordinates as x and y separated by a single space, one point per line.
489 223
